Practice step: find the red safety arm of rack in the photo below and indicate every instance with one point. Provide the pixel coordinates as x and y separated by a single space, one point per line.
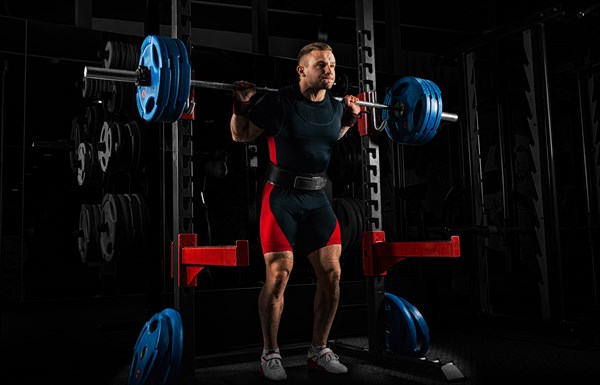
379 255
193 259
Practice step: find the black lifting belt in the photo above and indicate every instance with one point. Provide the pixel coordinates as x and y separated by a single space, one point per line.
285 178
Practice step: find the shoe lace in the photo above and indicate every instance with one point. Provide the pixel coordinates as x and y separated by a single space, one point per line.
329 356
274 363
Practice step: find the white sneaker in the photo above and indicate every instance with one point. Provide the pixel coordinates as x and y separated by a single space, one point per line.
325 360
271 367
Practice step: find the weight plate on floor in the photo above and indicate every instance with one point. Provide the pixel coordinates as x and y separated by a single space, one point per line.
400 331
149 351
172 359
422 344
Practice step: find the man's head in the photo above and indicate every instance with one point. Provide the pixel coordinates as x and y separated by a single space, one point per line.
316 65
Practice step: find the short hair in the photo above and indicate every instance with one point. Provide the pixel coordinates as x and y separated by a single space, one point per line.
315 46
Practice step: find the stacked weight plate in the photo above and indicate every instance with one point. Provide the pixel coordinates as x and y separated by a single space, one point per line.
88 239
124 224
165 98
120 147
406 330
422 101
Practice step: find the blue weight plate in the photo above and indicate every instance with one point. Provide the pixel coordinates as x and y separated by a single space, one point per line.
185 78
151 99
434 113
421 327
173 54
405 128
421 131
395 124
172 360
438 115
149 351
401 334
422 138
163 104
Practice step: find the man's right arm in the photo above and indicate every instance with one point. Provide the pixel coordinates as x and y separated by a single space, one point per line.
242 129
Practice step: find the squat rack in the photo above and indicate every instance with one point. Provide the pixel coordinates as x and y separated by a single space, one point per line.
187 260
377 254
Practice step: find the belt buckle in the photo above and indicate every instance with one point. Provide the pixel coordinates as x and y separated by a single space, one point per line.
309 183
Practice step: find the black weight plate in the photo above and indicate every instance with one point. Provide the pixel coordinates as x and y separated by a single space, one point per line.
76 139
108 223
136 223
87 240
83 164
105 147
126 234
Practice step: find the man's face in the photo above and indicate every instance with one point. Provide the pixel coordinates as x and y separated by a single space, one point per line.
317 69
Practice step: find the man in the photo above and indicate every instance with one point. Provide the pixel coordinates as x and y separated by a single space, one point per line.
302 123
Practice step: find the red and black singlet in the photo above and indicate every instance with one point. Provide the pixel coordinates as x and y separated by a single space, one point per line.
300 136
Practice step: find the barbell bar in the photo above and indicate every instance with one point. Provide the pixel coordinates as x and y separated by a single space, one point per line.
128 76
412 109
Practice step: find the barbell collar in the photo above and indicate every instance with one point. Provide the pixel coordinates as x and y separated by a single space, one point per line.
137 77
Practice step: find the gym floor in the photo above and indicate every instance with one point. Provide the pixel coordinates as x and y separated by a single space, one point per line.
55 345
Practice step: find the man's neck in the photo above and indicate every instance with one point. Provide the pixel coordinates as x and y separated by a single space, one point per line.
312 94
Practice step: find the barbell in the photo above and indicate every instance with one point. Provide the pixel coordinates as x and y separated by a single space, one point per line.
412 108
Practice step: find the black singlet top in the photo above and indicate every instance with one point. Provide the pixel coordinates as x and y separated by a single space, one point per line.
300 133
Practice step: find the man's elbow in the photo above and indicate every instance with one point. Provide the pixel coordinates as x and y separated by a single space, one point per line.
238 138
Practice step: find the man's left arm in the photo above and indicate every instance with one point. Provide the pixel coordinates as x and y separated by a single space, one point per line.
351 114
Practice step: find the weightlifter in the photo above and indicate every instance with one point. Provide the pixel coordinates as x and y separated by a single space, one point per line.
302 123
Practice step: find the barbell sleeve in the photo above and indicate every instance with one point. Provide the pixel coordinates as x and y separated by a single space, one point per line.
449 117
111 74
128 76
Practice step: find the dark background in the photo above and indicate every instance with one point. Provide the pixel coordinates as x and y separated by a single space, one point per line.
43 50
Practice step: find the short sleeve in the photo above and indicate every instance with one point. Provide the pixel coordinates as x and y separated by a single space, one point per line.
268 113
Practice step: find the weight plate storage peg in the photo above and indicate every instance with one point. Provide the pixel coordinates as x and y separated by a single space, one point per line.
422 111
158 349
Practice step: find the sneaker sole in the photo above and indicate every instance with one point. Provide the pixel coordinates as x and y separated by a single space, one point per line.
311 365
262 373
